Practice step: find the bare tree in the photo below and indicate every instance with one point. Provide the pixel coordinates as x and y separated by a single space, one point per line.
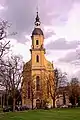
10 76
3 34
4 44
58 80
74 90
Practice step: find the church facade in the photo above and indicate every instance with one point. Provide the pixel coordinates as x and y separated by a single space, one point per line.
36 72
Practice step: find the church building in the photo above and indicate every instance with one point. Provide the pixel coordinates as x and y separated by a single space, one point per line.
36 72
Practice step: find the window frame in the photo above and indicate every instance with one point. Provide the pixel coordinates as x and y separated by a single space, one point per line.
37 42
28 90
37 58
37 83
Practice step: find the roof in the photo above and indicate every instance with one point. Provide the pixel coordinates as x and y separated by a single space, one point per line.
37 31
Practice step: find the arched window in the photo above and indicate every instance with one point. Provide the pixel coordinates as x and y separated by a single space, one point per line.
28 90
37 83
37 58
37 42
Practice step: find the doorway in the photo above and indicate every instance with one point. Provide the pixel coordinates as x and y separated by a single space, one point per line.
38 104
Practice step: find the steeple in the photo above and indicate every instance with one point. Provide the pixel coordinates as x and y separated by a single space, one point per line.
37 21
37 37
37 30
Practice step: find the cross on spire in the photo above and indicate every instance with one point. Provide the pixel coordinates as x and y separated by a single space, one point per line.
37 8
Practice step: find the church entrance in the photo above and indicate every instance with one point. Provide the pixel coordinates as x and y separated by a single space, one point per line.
38 104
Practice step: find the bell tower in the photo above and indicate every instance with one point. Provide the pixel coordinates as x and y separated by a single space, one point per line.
37 71
37 48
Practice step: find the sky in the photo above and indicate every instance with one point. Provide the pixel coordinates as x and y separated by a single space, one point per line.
60 22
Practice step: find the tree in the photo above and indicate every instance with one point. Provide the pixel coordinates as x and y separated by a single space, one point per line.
55 82
74 90
4 44
17 97
3 34
10 73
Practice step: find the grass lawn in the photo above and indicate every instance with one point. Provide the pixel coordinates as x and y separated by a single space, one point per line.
56 114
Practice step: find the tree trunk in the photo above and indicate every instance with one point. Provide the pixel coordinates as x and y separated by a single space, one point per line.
75 101
54 101
1 101
7 99
14 101
32 104
64 99
6 96
32 100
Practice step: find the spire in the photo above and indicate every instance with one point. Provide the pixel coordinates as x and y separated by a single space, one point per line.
37 22
37 17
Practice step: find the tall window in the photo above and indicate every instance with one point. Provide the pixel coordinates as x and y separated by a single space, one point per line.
37 42
28 90
37 58
37 83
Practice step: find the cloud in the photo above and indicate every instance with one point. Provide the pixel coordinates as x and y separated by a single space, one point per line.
62 44
18 48
77 73
2 10
48 31
70 31
1 7
49 34
70 69
55 11
72 57
21 14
